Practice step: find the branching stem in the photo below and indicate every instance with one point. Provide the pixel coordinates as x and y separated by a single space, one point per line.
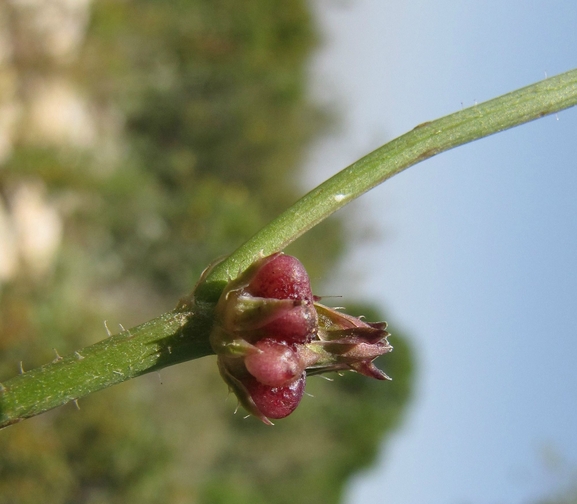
182 334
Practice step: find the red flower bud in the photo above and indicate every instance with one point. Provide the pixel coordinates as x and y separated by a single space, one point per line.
281 277
262 317
275 364
269 333
276 402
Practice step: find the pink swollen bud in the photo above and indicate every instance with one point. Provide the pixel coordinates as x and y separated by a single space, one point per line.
275 364
269 333
262 317
276 402
282 277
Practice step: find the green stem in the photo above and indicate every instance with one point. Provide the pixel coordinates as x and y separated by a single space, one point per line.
426 140
183 334
174 337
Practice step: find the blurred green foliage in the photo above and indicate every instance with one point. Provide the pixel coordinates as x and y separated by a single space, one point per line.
205 122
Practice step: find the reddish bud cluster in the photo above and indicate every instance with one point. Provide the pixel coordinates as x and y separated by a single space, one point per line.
268 334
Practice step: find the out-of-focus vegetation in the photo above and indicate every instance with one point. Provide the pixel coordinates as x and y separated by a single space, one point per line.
567 497
140 140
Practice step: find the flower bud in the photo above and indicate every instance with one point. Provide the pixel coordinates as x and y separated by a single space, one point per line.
261 319
276 402
269 333
275 363
259 399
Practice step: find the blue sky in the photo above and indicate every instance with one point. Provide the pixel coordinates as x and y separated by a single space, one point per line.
474 252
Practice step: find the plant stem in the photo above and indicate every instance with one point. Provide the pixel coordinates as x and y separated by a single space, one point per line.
426 140
183 334
169 339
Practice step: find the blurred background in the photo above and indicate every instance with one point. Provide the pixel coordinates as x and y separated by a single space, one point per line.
473 252
140 139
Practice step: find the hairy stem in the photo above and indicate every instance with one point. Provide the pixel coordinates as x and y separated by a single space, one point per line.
183 334
174 337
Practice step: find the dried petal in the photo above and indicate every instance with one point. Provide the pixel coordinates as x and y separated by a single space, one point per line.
347 342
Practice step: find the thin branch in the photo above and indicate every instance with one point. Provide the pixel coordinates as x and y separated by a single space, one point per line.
426 140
